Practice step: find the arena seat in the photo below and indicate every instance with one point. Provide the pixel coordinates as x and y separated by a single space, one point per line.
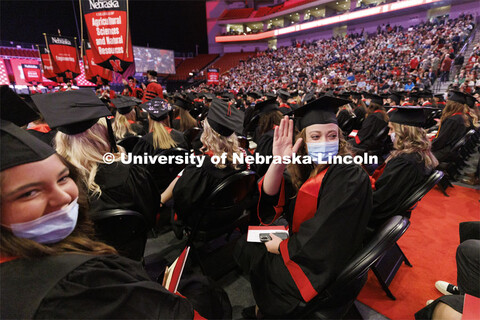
191 64
231 14
230 60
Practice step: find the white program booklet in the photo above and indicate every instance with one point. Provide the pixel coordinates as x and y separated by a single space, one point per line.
254 232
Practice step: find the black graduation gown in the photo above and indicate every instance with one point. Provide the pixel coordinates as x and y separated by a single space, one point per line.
160 172
176 123
126 186
400 176
264 148
346 122
105 287
368 137
195 185
451 131
320 249
48 138
359 113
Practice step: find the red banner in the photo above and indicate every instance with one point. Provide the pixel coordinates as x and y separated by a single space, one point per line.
93 72
107 25
213 76
32 73
47 67
64 57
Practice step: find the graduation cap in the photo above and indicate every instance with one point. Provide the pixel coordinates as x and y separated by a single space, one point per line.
356 95
395 96
266 106
183 103
320 111
284 95
228 95
270 95
309 97
410 116
470 100
440 97
15 109
72 112
157 108
254 94
225 119
123 104
457 96
20 147
374 98
207 95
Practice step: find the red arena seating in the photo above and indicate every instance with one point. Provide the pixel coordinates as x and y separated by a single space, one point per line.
230 60
236 14
191 64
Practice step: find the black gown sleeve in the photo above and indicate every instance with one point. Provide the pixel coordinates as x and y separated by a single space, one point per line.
450 132
112 287
392 188
264 148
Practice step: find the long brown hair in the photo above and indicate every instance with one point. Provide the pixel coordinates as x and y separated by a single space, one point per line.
268 121
81 240
375 107
302 172
410 139
452 107
186 119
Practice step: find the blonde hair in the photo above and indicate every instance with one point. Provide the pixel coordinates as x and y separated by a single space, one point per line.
218 144
121 126
302 172
161 137
81 240
186 119
85 151
410 139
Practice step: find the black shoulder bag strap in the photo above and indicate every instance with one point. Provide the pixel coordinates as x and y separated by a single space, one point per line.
26 282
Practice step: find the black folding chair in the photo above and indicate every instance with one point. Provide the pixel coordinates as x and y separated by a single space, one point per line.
125 230
223 211
387 266
345 289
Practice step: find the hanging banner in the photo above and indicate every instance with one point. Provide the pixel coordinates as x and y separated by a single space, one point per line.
109 34
32 73
64 56
47 64
213 76
93 72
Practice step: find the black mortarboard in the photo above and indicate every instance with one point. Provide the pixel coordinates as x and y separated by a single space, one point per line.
457 96
356 95
123 104
225 119
157 108
294 93
15 109
20 147
284 95
426 94
183 103
440 97
410 116
374 98
470 100
228 95
266 106
254 94
395 97
270 95
309 97
72 112
320 111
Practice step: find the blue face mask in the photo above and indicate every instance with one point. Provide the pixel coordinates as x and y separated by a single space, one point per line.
50 228
320 151
367 102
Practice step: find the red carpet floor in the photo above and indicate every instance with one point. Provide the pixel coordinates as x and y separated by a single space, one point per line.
430 244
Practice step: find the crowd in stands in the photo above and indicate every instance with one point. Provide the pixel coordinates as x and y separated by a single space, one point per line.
394 58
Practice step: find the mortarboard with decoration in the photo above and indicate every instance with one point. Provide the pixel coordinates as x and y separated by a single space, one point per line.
225 119
320 111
